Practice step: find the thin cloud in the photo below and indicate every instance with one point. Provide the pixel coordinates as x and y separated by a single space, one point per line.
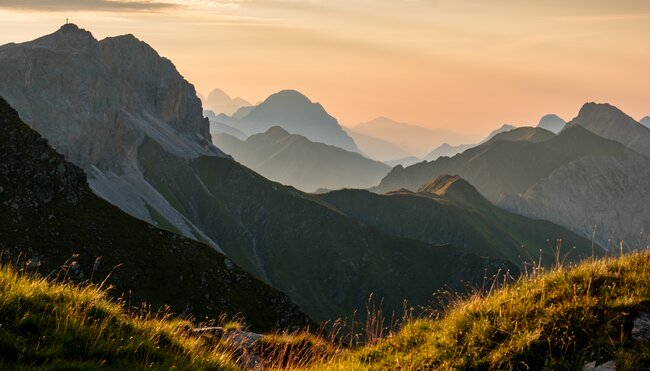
86 5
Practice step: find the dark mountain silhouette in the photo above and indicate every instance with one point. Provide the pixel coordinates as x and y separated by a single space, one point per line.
296 114
295 160
49 215
552 123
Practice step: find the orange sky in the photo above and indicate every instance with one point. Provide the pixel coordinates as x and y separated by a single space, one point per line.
463 65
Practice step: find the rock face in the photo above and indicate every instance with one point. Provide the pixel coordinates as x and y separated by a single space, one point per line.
96 101
295 160
49 217
609 122
609 193
296 114
552 123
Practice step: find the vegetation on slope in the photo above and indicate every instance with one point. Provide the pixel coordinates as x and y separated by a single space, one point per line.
558 320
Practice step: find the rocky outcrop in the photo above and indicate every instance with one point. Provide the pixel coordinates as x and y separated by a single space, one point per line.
96 101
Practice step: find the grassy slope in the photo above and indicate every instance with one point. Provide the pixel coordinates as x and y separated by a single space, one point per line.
63 326
559 320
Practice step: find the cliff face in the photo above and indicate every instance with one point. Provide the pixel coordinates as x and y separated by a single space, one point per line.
609 193
96 102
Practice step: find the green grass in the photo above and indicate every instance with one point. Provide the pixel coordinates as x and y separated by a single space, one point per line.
61 326
558 320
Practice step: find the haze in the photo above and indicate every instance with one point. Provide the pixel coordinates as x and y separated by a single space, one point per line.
461 65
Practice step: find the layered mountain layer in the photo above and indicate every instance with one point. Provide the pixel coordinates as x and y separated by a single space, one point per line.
55 225
295 160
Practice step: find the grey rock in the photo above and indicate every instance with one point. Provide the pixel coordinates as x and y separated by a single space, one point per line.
641 328
43 188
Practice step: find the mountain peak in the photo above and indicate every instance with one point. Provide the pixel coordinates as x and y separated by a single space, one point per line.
551 122
277 131
453 187
68 37
645 121
288 97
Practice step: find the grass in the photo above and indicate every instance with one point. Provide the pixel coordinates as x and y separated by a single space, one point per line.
559 319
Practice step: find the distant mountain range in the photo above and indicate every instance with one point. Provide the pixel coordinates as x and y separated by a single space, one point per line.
295 160
140 134
577 178
415 140
296 114
449 210
50 218
375 148
448 150
220 102
552 123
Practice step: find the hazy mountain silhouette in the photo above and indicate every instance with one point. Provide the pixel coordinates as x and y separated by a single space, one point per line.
217 127
610 122
124 113
220 102
415 140
552 123
645 121
449 210
296 114
295 160
448 150
404 161
375 148
48 214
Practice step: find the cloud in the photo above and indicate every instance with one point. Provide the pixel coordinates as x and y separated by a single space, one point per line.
87 5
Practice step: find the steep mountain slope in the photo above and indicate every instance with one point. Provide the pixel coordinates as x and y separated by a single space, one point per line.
295 160
609 122
552 123
296 114
505 166
49 217
325 261
609 193
375 148
217 127
523 134
220 102
448 150
415 140
97 101
451 211
645 121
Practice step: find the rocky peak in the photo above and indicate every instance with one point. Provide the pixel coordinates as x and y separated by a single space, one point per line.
551 122
601 114
452 187
69 37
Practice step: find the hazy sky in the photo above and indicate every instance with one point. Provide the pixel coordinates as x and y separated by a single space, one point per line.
463 65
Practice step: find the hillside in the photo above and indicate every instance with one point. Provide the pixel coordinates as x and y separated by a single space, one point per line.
296 114
449 150
49 217
295 160
375 148
596 313
449 210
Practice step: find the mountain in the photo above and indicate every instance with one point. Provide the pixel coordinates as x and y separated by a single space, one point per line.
552 123
404 161
296 114
295 160
449 210
217 127
415 140
96 102
645 121
220 102
448 150
610 122
141 135
507 163
50 218
376 149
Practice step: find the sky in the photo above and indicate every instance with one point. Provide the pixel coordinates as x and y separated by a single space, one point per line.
467 66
